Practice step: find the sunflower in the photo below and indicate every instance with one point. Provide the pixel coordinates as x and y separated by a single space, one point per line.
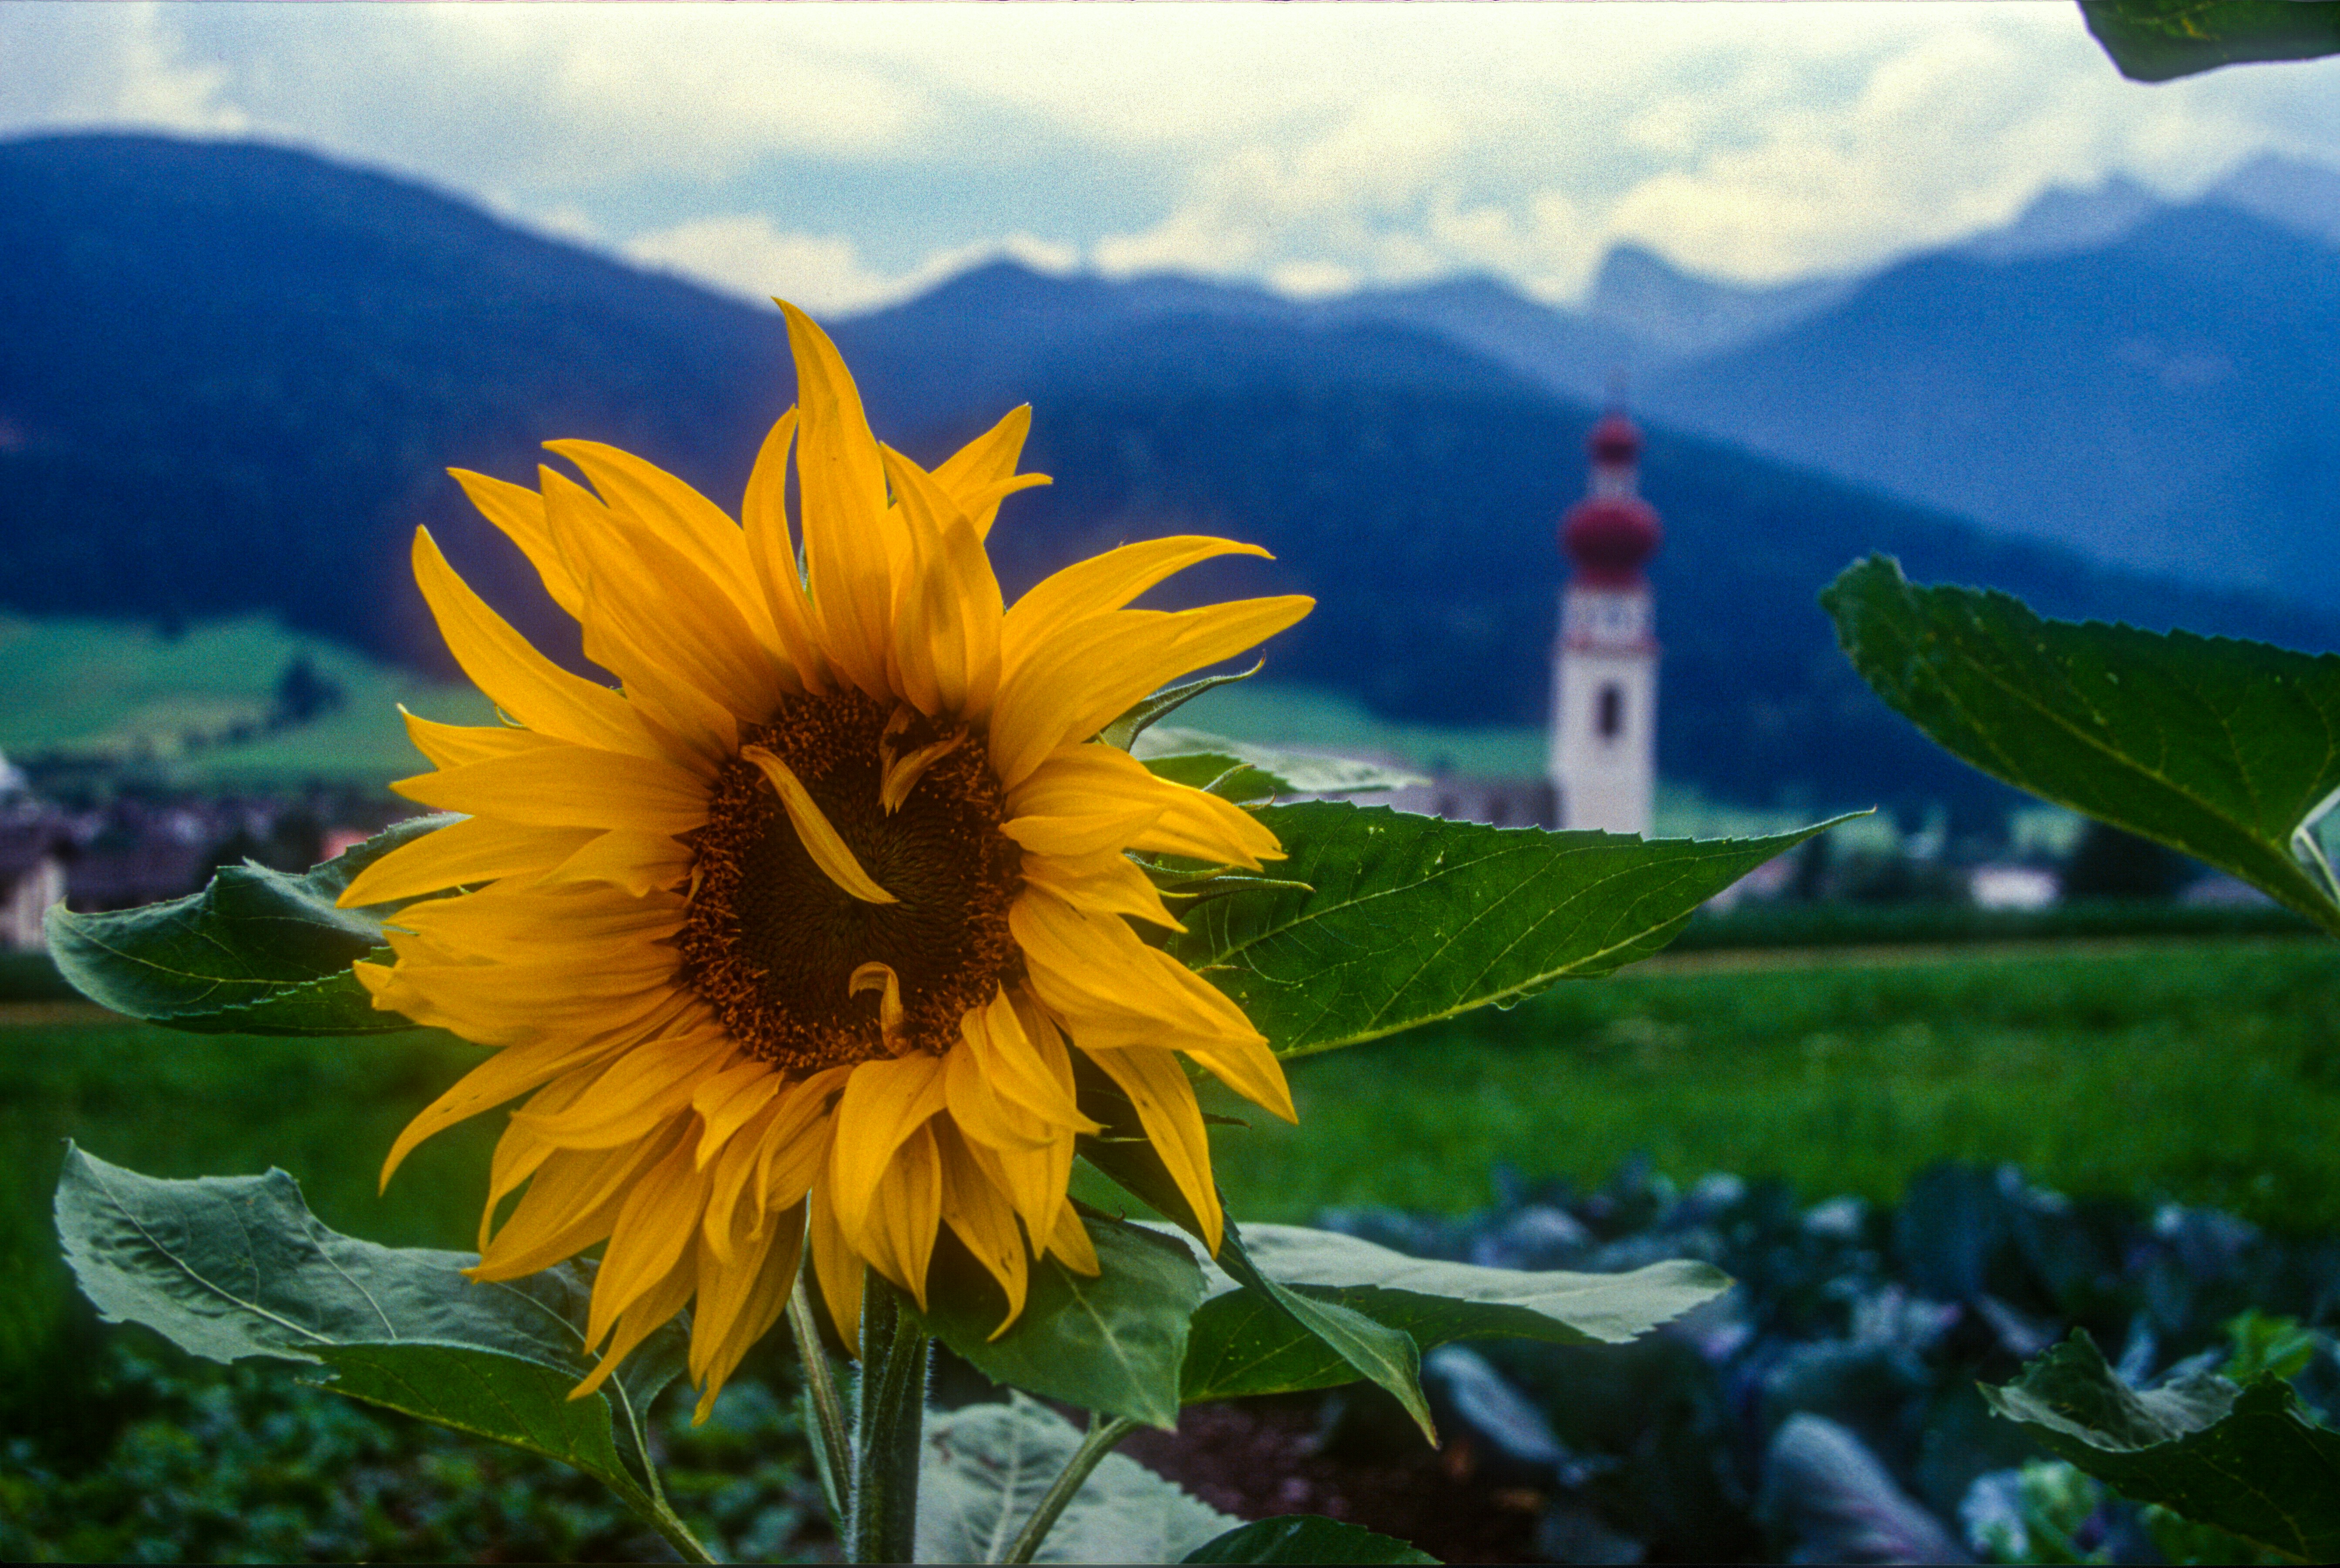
791 938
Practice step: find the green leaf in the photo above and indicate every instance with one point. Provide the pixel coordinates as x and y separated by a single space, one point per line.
1406 920
1125 730
1114 1344
1367 1349
257 952
2248 1461
1245 773
491 1394
986 1467
1236 1347
1305 1538
2226 750
228 1268
2159 40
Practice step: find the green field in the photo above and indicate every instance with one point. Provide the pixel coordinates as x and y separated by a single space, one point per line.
2204 1071
2207 1072
124 693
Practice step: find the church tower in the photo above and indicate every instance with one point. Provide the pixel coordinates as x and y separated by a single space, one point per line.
1604 666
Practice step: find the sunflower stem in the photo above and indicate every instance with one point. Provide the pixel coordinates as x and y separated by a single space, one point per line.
827 1404
889 1427
1102 1433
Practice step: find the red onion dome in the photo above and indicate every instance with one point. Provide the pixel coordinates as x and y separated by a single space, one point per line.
1609 537
1615 441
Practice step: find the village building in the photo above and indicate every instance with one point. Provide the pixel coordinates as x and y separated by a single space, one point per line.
1604 662
1601 760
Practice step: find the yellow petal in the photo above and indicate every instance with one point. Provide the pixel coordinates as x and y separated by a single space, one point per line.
884 1102
1043 699
732 1200
1115 992
1080 680
903 771
841 488
882 979
1095 778
1157 1086
728 1100
596 542
637 863
1070 1242
982 506
981 473
571 1203
655 1307
771 549
511 920
838 1269
655 1081
518 678
1104 582
905 1209
506 1076
519 512
980 1214
682 520
947 612
797 1145
675 616
475 849
739 1301
660 1218
1103 884
1033 1179
1022 1058
975 1106
452 745
572 786
524 1005
520 1153
1087 835
828 851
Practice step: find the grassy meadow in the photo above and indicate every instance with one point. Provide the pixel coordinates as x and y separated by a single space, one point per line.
2206 1071
124 693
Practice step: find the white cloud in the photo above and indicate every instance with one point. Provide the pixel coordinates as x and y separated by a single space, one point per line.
63 67
749 255
1299 147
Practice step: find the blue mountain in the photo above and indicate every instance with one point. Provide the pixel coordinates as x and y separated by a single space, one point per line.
231 376
2165 401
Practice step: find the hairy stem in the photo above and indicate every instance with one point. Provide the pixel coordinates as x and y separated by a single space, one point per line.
827 1404
1103 1435
889 1428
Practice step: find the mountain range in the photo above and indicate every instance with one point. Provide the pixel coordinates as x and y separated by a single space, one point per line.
230 375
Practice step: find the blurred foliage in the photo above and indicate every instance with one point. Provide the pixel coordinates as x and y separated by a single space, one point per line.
2161 40
247 1464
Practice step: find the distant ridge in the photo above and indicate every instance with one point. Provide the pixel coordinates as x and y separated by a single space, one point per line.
2168 401
230 375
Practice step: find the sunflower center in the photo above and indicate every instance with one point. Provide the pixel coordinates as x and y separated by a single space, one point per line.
784 952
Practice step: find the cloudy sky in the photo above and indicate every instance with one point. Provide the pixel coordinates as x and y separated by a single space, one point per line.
849 155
